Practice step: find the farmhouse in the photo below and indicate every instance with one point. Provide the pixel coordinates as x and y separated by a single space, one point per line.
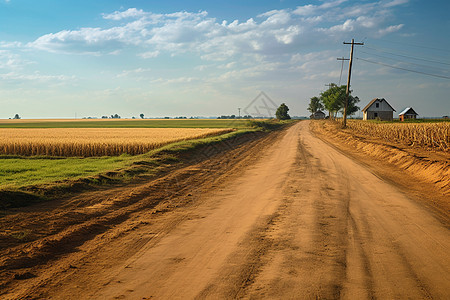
407 113
378 109
318 115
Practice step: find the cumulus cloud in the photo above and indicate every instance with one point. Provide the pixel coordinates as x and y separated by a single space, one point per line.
273 33
395 3
129 13
11 61
37 77
390 29
150 54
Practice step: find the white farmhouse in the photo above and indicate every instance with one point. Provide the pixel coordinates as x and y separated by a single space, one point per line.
378 109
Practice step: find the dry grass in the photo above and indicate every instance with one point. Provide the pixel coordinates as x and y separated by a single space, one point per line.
434 136
87 142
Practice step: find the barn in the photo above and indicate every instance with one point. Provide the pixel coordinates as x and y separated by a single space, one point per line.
318 115
378 109
407 113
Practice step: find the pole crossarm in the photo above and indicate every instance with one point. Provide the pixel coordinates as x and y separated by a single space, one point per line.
353 43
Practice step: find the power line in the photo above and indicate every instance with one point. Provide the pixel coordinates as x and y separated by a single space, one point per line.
404 69
414 45
410 57
406 62
342 68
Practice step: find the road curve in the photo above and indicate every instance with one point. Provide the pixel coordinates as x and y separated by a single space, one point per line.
303 221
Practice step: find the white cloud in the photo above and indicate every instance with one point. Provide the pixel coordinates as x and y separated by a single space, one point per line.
390 29
138 71
271 35
129 13
37 76
150 54
11 61
306 10
395 3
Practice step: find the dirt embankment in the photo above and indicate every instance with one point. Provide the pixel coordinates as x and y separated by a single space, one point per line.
414 164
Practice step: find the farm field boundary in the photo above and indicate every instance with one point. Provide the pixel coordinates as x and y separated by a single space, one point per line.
95 214
417 170
120 169
126 123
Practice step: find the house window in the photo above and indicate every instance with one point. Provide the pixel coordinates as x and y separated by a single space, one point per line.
377 105
376 115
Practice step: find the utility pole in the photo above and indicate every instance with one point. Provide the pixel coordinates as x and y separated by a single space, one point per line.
239 109
347 93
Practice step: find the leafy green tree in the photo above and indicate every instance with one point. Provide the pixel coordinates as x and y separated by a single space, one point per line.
282 112
334 100
142 116
17 117
352 108
315 105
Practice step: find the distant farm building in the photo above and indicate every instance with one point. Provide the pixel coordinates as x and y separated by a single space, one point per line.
407 113
318 115
378 109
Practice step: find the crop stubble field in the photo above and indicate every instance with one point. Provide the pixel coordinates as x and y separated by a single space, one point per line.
28 148
434 136
87 142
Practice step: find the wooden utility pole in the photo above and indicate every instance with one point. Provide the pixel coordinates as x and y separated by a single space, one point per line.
347 93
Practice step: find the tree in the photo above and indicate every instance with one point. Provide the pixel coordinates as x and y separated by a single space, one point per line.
334 100
352 108
282 112
142 116
315 105
16 117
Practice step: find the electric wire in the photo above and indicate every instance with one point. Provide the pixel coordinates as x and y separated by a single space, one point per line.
415 45
404 69
407 56
342 68
406 62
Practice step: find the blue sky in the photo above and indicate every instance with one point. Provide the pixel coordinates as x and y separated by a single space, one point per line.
204 58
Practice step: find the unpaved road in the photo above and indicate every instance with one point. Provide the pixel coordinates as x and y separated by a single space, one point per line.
286 218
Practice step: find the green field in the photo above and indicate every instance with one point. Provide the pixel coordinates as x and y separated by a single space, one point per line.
126 123
20 172
24 177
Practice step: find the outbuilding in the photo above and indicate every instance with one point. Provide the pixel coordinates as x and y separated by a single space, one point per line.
407 113
318 115
378 109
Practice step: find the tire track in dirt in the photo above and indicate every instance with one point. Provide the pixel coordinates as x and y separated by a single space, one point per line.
287 217
69 224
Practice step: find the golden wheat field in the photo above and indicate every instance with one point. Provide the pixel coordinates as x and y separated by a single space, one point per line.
427 135
85 142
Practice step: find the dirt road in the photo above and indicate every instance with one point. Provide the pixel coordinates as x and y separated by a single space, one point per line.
287 218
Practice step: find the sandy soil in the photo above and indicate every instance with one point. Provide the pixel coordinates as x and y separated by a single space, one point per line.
284 217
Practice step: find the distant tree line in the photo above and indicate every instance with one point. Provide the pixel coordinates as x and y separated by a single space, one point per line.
234 117
115 116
